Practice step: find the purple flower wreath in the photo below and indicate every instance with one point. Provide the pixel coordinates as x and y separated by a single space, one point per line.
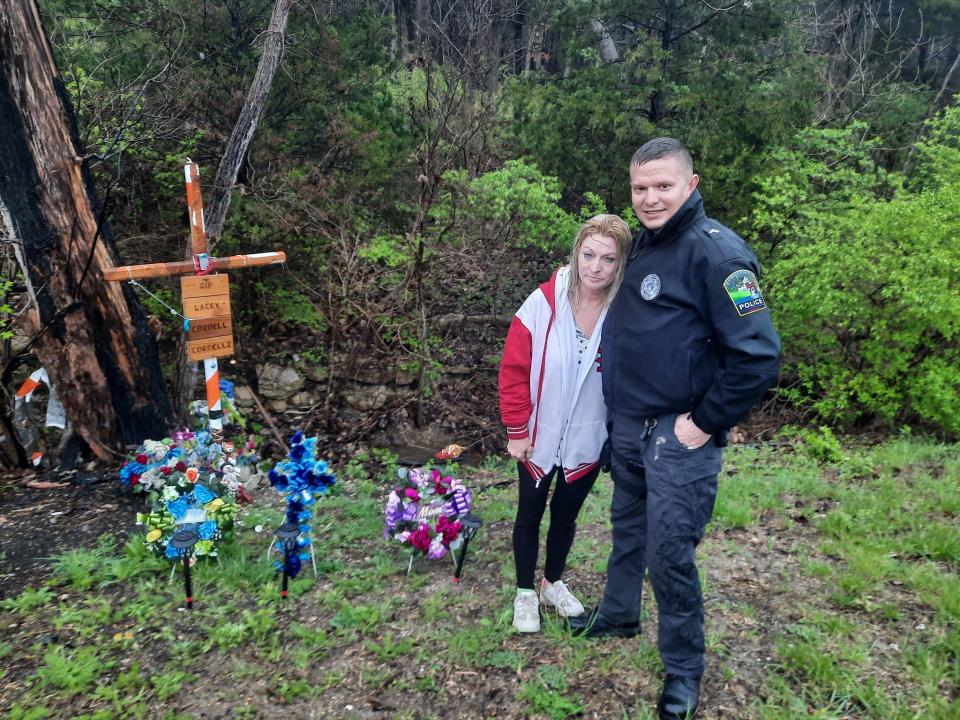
302 478
423 512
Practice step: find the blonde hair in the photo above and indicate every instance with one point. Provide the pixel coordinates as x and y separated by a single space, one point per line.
611 226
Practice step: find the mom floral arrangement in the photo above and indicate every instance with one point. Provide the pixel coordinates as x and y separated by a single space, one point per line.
423 512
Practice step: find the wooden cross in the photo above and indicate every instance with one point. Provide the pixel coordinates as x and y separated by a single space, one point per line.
206 296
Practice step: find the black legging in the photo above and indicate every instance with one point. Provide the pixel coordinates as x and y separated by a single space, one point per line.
564 507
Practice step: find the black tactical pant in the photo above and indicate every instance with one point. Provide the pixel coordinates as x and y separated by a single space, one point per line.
662 501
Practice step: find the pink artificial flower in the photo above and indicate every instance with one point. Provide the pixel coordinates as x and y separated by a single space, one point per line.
420 538
412 494
449 530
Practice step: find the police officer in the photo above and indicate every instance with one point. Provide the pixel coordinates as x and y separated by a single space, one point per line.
688 348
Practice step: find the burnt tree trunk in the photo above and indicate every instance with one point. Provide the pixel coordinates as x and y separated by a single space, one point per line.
91 335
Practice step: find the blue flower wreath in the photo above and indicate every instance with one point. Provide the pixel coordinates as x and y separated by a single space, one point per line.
302 478
196 500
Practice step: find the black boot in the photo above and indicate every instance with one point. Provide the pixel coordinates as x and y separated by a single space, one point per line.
679 699
592 624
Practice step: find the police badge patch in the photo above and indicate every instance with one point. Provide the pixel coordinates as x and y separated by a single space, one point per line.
650 287
744 291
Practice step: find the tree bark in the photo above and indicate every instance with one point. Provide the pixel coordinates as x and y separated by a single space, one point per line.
608 48
91 336
246 124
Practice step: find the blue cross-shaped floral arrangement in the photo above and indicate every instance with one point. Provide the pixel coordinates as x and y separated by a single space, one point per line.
302 479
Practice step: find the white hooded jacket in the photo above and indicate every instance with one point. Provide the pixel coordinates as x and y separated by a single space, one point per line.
544 393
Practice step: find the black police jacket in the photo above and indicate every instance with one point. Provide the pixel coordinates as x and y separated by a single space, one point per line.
689 330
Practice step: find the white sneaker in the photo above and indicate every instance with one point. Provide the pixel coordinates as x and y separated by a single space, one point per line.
526 612
557 596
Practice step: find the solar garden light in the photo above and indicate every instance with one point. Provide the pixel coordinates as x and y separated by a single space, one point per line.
183 542
471 524
287 534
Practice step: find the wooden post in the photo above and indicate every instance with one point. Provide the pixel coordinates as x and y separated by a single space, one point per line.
206 296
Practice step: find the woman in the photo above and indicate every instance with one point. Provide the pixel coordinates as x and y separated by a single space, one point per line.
551 401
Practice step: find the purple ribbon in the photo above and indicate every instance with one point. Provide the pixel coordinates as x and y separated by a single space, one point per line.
459 504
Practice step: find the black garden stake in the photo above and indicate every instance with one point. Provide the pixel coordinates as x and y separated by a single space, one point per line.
287 534
471 524
183 542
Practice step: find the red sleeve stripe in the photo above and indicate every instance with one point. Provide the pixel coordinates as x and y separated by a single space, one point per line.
514 377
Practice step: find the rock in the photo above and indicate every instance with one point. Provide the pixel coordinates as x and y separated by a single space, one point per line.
404 434
317 373
19 340
367 397
278 382
277 405
302 399
243 397
366 370
405 377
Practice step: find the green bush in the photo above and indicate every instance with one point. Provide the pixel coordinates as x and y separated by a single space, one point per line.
516 203
866 290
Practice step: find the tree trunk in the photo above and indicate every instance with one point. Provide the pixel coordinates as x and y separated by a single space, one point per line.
246 124
608 48
90 335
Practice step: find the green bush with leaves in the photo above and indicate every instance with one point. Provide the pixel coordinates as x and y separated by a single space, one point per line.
867 291
516 204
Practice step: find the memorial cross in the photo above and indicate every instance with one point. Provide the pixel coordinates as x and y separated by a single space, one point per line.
205 293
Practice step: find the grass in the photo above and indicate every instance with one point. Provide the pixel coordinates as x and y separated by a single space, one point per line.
831 581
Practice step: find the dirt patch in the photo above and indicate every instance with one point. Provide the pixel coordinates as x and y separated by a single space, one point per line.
38 523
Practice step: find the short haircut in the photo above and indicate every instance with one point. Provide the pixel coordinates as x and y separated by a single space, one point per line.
662 147
611 226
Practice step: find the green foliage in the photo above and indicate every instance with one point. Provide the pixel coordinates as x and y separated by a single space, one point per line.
73 672
516 204
545 694
865 289
76 567
292 306
810 186
355 617
31 712
391 250
166 685
938 150
822 444
28 600
6 312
